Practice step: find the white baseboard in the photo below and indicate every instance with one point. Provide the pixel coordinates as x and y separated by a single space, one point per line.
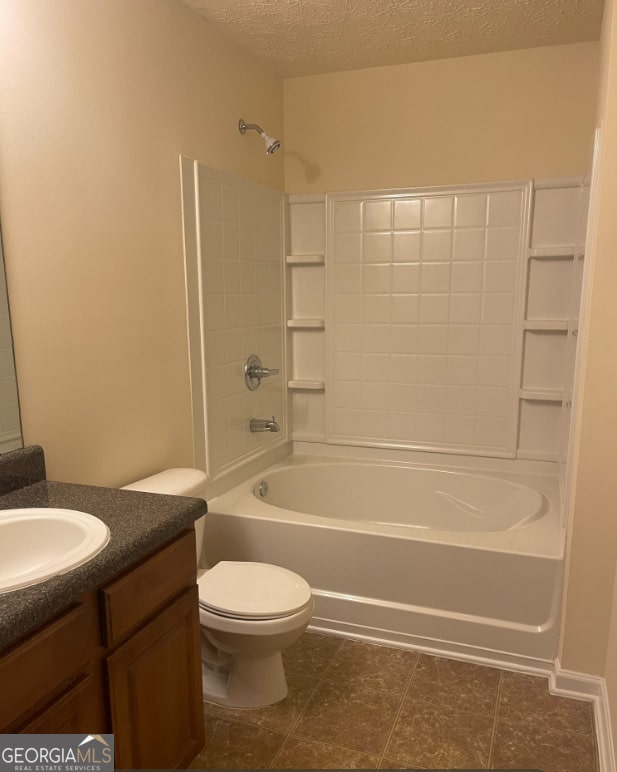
567 683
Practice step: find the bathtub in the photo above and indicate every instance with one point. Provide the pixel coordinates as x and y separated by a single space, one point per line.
466 561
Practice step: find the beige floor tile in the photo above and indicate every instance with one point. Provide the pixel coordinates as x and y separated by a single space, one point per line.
299 753
311 654
349 716
525 747
375 667
281 716
439 737
526 699
230 745
461 685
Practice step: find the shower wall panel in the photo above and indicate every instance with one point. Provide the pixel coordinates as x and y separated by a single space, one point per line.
423 312
240 227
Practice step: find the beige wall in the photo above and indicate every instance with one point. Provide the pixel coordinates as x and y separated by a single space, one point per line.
500 116
611 665
98 101
593 542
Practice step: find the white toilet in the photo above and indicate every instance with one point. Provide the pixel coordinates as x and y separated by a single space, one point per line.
249 613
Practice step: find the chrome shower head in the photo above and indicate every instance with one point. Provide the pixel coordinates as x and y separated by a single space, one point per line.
272 144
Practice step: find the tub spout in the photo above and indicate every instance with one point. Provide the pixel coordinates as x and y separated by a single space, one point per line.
264 425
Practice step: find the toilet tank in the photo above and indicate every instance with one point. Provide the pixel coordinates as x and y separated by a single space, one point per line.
176 482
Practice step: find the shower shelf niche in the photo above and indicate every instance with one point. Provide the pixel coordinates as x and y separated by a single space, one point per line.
306 385
306 324
541 395
306 313
545 325
550 318
305 259
553 253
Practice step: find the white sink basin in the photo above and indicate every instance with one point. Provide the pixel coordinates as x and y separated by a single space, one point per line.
36 544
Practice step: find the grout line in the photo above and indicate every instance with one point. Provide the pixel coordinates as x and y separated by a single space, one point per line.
336 653
234 720
271 765
301 713
532 724
308 738
399 709
496 713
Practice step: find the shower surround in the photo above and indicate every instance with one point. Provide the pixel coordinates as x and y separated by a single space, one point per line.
450 317
438 320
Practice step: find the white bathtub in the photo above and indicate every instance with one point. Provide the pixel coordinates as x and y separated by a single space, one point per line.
466 561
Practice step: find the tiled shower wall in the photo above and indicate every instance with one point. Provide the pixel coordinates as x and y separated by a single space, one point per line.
478 259
423 308
239 254
432 339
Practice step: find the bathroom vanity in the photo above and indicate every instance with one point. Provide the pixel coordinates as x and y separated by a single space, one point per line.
113 645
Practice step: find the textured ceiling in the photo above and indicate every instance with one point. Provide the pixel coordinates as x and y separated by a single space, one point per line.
303 37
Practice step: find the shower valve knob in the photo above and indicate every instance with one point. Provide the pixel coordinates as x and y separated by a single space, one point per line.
262 372
254 372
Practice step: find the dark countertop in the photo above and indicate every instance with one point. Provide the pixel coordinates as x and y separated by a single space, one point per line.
139 523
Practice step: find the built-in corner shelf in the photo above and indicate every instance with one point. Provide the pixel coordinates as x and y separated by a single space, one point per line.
546 325
552 253
317 324
541 395
305 259
306 324
300 385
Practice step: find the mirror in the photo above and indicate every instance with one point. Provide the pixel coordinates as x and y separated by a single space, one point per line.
10 425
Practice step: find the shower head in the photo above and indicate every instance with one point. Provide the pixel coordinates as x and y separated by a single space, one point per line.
272 144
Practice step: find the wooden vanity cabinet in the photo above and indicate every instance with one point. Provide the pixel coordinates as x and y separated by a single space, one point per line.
124 660
46 677
154 672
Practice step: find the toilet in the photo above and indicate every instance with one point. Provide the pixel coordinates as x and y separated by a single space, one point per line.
248 612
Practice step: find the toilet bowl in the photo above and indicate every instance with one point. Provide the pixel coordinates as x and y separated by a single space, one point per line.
249 613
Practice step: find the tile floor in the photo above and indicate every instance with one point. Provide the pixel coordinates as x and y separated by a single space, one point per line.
355 705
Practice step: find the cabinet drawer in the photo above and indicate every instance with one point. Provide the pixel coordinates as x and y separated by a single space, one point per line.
73 712
35 670
130 600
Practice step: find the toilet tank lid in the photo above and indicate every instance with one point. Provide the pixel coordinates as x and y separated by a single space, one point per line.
172 482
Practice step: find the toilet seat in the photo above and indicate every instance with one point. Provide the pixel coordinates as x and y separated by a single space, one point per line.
259 591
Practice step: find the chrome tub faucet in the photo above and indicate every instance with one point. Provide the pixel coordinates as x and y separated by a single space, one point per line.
264 425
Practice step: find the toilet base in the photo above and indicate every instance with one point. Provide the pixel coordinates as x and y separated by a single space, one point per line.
250 682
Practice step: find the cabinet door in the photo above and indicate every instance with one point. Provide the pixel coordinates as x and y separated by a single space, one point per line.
155 690
72 713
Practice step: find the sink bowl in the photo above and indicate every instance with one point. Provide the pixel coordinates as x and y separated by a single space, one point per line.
38 543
